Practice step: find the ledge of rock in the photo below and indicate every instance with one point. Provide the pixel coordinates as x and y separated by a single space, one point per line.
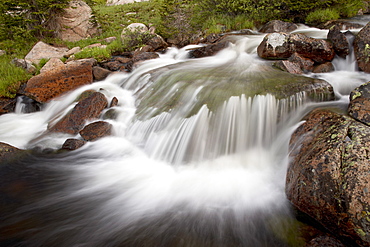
51 84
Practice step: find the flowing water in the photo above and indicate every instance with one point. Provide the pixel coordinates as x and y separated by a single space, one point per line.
187 176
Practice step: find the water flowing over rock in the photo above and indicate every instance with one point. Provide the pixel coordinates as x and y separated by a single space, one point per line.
329 173
361 46
87 109
209 50
76 22
339 41
283 45
359 106
44 51
8 152
278 26
51 84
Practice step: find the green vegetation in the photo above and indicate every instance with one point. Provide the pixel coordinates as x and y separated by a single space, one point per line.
24 22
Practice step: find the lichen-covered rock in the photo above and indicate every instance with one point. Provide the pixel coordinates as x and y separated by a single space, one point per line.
361 46
329 173
64 78
96 130
359 106
339 41
87 109
283 45
275 26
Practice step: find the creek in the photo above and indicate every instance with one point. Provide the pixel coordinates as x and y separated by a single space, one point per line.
188 164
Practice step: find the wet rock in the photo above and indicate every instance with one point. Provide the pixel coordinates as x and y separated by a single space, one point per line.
7 105
305 64
114 65
339 41
361 46
324 68
283 45
44 51
114 102
288 66
8 152
329 173
51 84
209 50
100 73
142 56
96 130
73 144
359 106
29 105
87 109
275 26
76 22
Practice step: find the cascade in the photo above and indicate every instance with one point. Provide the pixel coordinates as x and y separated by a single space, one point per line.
171 174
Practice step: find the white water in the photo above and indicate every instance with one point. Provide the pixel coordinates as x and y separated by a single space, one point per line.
213 179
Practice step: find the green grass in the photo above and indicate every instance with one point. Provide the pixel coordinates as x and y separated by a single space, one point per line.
322 15
10 77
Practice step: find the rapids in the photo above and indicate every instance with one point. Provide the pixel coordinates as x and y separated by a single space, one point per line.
212 178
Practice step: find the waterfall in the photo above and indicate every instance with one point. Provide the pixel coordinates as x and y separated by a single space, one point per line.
175 172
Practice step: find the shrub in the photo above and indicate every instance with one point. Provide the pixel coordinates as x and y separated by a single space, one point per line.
100 54
322 15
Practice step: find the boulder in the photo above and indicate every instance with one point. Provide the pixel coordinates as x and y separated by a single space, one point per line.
276 26
329 173
359 106
134 27
24 64
96 130
324 68
51 84
87 109
52 64
304 63
157 42
7 105
288 66
44 51
339 41
283 45
73 144
76 22
361 46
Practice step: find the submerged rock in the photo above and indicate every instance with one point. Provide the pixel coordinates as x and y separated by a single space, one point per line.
329 173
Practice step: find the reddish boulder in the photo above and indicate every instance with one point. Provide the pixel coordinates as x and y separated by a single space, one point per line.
361 46
275 26
87 109
51 84
339 41
96 130
329 173
359 106
283 45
